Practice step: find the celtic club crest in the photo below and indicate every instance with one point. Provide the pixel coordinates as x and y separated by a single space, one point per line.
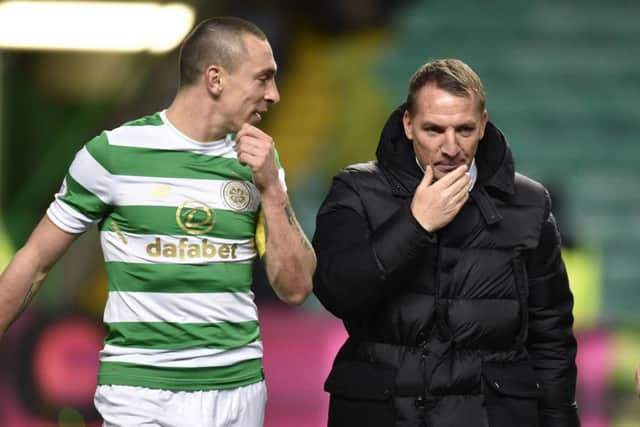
236 195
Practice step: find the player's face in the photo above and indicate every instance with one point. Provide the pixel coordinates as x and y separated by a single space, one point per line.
445 129
251 88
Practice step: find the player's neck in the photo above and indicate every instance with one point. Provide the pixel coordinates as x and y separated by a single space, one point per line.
195 116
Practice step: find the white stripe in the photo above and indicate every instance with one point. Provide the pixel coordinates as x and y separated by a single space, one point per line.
67 218
166 137
281 177
91 175
166 191
213 307
190 358
145 248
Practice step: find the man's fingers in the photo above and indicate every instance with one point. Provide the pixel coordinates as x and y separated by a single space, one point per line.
253 139
459 198
250 130
427 179
459 185
248 159
255 147
452 176
252 143
246 130
248 143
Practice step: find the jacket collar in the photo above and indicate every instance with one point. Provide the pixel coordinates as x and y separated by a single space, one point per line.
396 156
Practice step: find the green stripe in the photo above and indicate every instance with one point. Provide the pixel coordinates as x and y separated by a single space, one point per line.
212 378
177 336
162 220
99 149
175 164
151 120
178 278
83 200
277 157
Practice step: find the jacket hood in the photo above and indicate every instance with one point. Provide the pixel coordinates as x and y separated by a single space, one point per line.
396 155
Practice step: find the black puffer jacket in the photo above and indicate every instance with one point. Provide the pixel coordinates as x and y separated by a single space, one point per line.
470 326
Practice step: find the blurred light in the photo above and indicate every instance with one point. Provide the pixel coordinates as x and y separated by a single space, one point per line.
65 362
69 417
101 26
6 245
57 367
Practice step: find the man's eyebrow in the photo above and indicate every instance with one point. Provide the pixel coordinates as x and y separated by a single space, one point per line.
269 71
466 124
432 125
437 126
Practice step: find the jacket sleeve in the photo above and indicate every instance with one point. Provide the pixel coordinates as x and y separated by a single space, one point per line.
551 342
356 264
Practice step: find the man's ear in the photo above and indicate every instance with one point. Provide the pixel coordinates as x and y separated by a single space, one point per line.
213 79
483 123
406 122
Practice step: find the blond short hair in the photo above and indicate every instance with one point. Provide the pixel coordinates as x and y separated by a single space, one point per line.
451 75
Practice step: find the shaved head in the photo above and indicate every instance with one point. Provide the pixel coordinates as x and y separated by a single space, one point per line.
216 41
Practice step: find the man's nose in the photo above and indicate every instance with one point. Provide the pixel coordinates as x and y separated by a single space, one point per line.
272 95
450 145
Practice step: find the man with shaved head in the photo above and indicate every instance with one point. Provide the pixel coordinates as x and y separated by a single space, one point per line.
216 41
184 200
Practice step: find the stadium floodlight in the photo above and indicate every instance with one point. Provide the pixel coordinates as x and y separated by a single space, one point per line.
94 25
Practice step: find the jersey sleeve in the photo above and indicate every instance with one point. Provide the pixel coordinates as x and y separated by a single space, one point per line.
281 174
85 195
261 234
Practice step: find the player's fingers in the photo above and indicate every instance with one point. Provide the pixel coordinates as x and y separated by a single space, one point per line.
249 142
253 148
250 130
248 159
257 151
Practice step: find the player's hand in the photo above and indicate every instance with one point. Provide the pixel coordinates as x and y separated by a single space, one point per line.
638 382
435 204
256 150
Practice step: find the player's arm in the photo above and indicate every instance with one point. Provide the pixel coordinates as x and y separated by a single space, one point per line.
290 259
29 267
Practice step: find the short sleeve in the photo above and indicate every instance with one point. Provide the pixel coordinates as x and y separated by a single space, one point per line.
85 193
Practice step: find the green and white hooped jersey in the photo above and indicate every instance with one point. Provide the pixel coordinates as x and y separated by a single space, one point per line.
177 221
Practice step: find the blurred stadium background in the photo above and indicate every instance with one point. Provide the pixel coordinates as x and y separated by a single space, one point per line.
562 82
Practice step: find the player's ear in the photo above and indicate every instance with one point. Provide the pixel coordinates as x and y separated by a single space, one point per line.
213 79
